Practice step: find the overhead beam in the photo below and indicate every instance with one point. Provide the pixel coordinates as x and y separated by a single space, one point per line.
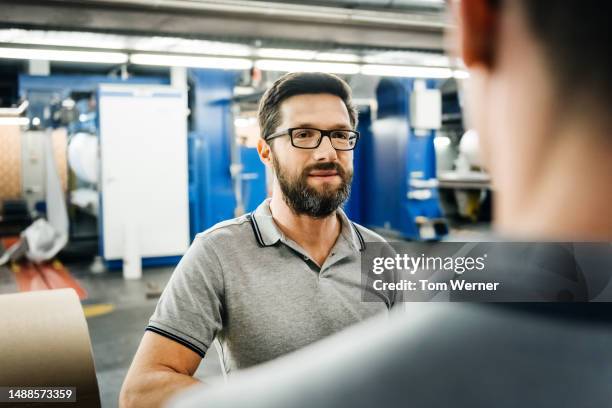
137 17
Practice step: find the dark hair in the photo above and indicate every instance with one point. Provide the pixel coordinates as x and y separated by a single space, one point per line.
299 83
575 36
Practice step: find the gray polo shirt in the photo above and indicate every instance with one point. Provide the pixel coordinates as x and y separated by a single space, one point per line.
257 291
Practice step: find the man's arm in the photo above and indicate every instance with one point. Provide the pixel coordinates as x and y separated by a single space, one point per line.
160 368
187 317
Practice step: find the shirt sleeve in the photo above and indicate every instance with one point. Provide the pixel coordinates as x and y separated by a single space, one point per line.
190 308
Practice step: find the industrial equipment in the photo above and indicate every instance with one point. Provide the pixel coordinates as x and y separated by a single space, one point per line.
465 186
398 163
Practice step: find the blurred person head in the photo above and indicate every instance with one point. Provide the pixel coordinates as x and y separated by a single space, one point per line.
540 96
312 181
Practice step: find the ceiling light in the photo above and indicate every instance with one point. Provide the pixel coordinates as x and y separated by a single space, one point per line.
62 38
411 58
286 54
306 66
64 55
190 61
332 56
406 71
181 45
122 42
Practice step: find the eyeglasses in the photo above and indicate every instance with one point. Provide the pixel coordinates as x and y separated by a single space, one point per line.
310 138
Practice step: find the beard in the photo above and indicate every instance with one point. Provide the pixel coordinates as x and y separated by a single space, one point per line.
304 199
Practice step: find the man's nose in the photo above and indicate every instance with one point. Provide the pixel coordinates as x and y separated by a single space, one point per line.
325 151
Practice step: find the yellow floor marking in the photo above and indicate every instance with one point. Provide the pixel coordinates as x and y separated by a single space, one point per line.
97 309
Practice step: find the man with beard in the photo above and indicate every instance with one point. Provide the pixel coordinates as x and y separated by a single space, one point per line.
285 276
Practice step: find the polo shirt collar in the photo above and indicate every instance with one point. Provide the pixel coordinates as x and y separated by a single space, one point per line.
264 227
267 233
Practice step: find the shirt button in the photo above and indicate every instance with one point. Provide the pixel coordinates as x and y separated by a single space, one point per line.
305 258
333 253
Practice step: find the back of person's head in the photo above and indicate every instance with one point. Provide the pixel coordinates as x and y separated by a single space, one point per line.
572 36
540 96
576 40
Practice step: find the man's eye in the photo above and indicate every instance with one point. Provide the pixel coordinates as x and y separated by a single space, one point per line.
341 135
302 134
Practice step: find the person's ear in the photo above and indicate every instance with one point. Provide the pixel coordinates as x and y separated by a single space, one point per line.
265 152
478 26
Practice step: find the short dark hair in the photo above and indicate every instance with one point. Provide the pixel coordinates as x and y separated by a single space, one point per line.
575 36
299 83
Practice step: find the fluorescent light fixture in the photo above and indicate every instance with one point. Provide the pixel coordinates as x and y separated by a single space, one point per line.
62 38
306 66
410 58
157 44
181 45
285 54
15 121
64 55
406 71
190 61
460 74
332 56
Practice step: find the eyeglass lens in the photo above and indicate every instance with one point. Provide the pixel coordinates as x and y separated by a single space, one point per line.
310 138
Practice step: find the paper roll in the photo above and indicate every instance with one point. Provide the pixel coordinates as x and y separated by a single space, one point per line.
83 156
44 342
19 153
59 143
10 162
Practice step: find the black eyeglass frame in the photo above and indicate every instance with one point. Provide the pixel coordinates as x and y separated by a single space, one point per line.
289 132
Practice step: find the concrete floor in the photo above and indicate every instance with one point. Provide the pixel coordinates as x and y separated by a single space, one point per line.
115 336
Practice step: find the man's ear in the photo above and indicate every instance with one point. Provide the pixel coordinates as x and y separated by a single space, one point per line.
265 152
478 26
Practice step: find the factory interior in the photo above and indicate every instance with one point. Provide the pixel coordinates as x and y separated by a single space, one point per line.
128 127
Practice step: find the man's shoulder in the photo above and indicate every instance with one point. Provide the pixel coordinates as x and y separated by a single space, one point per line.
234 228
367 234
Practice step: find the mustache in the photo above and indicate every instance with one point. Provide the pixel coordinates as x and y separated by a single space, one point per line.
325 166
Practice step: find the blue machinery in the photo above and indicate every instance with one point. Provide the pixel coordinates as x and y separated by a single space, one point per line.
394 185
211 187
211 196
